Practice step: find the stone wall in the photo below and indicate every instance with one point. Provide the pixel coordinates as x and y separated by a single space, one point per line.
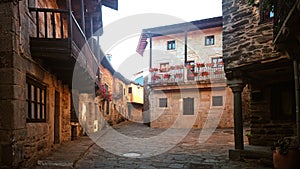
205 114
21 142
116 109
246 40
247 51
197 51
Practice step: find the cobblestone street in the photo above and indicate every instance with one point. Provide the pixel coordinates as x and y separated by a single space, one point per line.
189 153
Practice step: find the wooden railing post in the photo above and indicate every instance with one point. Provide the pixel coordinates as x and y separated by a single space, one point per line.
61 25
46 24
53 25
37 24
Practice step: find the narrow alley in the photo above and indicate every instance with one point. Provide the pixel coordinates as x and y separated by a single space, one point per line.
189 153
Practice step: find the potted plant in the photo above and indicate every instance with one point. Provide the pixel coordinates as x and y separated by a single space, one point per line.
284 155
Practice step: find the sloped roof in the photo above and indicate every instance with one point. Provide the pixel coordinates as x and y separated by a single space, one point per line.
174 29
113 4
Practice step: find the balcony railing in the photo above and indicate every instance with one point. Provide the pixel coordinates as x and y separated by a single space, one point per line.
201 72
282 9
58 24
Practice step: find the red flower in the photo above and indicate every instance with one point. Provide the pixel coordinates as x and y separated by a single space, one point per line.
167 76
200 64
204 73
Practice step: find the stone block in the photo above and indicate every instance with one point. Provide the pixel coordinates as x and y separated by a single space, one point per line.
12 114
6 59
12 92
11 76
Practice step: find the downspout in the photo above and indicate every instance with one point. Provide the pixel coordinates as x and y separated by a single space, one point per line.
296 79
150 59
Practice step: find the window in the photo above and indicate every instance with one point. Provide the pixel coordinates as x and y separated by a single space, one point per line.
106 87
171 45
188 106
130 90
209 40
217 62
164 67
266 12
217 101
36 101
163 102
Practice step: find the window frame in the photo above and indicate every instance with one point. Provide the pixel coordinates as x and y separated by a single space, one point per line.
37 101
129 90
171 45
163 102
215 64
208 42
217 105
188 106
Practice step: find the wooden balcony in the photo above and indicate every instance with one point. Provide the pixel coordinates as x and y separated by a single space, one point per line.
59 44
286 25
181 74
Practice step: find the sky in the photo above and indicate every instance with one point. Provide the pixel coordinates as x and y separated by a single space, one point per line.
122 28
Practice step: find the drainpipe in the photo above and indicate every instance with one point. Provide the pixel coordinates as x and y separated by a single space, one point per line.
150 61
296 79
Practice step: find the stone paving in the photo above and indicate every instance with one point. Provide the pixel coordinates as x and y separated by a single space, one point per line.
187 154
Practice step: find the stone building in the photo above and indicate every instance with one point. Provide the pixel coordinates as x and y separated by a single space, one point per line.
187 86
260 50
40 42
135 102
116 109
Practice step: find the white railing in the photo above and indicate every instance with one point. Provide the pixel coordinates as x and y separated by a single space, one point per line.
185 74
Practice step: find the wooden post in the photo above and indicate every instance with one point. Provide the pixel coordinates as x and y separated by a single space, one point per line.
82 16
185 47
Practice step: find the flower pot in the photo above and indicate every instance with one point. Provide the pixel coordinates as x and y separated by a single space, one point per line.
288 161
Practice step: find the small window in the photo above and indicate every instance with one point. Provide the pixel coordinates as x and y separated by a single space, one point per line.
130 90
36 101
266 12
171 45
217 62
217 101
106 86
209 40
163 102
188 106
164 67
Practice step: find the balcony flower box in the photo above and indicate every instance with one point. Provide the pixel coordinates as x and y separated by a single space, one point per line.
190 66
199 65
204 73
178 75
220 63
192 75
153 69
209 65
155 77
218 71
167 76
